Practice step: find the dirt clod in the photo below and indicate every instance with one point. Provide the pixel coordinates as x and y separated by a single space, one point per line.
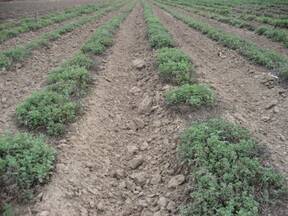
136 162
176 181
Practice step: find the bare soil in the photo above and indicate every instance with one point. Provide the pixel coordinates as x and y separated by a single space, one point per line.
30 75
13 10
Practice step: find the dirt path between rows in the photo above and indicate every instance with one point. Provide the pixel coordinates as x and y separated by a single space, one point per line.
259 40
240 87
120 157
30 75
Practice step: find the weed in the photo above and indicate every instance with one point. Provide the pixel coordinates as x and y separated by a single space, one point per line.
229 178
174 66
48 111
25 162
195 95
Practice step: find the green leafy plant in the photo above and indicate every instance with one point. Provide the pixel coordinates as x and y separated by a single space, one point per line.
174 66
26 161
228 176
195 95
70 80
48 111
158 36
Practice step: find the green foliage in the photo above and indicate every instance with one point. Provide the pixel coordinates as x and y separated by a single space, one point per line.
195 95
229 178
174 66
80 60
70 81
25 162
275 34
103 36
251 51
158 36
7 210
48 111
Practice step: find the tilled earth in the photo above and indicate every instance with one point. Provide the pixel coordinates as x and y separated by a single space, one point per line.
18 9
120 157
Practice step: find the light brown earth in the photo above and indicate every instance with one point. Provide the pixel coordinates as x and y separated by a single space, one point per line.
119 158
13 10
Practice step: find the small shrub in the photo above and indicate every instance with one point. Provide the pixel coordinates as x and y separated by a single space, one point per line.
195 95
4 61
25 162
80 60
70 81
46 110
76 73
174 66
229 178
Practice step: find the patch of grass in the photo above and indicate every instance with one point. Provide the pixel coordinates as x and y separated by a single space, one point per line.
228 176
195 95
174 66
251 51
80 60
158 36
70 81
26 161
48 111
277 35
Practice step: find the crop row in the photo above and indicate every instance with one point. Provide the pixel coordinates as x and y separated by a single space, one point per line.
275 34
26 161
19 53
227 175
224 10
251 51
30 24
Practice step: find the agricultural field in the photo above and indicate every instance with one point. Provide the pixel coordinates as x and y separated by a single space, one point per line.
144 108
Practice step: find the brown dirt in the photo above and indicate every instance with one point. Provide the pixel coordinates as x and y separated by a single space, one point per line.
19 9
93 174
259 40
240 86
30 75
